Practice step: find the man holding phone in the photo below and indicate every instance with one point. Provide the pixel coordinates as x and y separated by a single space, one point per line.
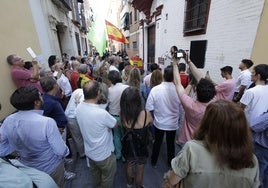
23 77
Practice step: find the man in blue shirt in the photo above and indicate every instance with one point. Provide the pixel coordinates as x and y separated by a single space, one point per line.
52 106
259 127
34 137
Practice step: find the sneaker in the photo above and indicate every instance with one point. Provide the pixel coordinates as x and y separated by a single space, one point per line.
69 175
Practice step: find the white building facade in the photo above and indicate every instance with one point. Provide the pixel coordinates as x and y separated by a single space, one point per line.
228 37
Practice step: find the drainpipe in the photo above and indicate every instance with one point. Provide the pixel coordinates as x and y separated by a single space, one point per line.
143 53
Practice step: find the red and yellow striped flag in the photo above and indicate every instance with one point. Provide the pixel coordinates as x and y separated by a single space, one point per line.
114 33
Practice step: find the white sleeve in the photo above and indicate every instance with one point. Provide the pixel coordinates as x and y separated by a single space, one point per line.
150 102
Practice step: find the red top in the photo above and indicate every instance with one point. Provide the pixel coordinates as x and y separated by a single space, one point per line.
73 80
184 79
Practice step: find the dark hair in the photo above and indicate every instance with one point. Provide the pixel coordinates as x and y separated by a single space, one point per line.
153 67
226 133
227 69
51 60
83 60
168 73
205 90
73 58
262 70
182 67
47 83
114 77
247 62
174 48
111 60
91 89
10 59
24 98
130 105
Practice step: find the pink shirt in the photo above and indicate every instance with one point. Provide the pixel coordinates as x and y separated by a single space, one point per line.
21 77
194 111
226 89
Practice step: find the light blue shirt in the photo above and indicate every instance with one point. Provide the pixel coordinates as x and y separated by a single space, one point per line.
259 127
35 137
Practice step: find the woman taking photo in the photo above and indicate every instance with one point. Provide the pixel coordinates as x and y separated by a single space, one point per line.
221 154
135 142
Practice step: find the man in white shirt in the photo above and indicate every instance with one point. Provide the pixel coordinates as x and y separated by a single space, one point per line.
95 124
114 96
255 101
244 79
164 102
147 78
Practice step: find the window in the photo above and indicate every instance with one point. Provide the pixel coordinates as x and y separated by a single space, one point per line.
134 44
198 50
135 15
125 22
196 16
130 18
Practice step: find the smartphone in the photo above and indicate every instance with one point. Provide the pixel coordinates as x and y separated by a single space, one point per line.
31 52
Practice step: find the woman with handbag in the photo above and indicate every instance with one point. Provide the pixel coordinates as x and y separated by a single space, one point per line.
135 142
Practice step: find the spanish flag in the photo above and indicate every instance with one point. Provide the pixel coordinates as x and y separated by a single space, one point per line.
114 33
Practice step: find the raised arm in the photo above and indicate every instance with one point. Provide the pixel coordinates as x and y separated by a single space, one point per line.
197 74
35 74
177 78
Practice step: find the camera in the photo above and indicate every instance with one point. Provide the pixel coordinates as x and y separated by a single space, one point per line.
179 54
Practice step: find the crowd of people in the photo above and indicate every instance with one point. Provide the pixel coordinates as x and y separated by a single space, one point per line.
112 111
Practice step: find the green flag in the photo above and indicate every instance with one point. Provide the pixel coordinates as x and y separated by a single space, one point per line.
98 34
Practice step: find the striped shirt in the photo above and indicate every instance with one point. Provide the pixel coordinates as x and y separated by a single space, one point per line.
259 127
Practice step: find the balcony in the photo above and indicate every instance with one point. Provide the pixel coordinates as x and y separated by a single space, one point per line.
64 4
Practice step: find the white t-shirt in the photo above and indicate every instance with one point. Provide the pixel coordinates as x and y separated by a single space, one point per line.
256 101
64 83
114 96
147 79
164 101
96 127
244 79
70 111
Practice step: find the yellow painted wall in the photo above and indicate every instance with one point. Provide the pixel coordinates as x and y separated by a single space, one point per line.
17 32
260 48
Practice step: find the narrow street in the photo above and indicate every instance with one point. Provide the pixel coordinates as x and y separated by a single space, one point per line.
152 178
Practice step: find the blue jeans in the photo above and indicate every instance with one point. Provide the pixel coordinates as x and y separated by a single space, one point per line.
262 156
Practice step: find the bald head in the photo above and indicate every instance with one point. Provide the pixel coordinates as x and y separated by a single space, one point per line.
91 90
